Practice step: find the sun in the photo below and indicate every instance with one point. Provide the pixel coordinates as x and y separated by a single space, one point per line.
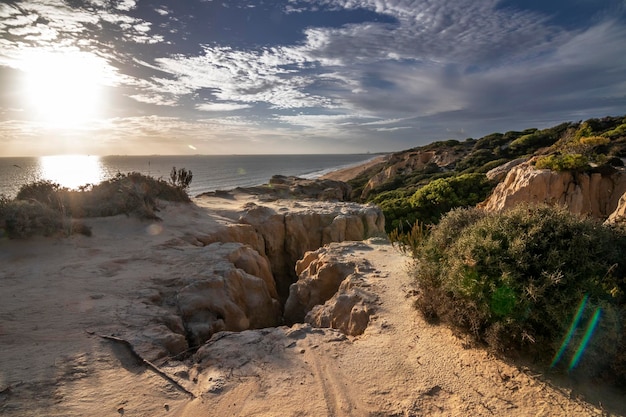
63 89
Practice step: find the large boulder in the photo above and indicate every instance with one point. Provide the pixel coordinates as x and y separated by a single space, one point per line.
222 286
591 194
499 173
348 310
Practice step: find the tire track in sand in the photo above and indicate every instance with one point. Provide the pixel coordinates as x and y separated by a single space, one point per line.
335 388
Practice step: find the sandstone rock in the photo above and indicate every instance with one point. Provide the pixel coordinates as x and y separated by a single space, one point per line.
174 343
318 282
247 352
619 215
348 310
331 291
237 292
237 276
596 194
499 173
285 230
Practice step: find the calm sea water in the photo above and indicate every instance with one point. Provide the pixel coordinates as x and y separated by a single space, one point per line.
210 173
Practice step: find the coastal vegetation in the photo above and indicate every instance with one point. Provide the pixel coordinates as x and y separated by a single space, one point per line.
534 280
45 208
421 192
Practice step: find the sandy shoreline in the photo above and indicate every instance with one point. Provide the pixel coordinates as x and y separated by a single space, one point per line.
346 174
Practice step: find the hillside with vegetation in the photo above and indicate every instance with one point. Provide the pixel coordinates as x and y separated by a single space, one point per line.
423 183
537 281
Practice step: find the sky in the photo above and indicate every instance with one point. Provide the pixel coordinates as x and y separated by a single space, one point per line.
299 76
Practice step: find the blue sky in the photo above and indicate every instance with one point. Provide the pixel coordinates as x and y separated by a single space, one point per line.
216 77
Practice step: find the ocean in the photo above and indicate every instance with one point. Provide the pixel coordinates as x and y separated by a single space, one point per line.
210 172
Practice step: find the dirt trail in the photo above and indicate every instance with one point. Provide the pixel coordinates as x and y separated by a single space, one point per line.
401 366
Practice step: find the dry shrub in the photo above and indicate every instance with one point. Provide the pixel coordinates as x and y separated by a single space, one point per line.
22 219
45 208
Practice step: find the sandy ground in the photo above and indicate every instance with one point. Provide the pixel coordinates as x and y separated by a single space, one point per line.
57 294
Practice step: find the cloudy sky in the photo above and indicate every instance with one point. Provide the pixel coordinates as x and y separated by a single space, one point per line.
299 76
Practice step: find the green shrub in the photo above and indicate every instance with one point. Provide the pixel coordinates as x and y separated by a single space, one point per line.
616 133
592 141
442 195
567 162
531 142
398 211
515 280
475 160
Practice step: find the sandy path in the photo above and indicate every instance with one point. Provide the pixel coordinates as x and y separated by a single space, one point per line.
400 366
53 290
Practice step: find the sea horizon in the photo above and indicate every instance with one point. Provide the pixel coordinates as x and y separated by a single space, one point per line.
210 172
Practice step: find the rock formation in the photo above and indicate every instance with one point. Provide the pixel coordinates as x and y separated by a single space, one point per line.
330 291
218 287
619 215
284 230
404 163
593 194
281 186
248 261
236 292
499 173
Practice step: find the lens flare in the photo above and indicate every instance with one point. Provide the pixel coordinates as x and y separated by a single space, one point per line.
582 346
591 327
570 331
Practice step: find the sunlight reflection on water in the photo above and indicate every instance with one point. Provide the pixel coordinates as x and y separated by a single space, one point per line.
72 171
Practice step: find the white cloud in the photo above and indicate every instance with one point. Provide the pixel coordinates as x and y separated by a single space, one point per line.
393 129
243 76
36 32
440 63
157 99
127 5
222 106
317 121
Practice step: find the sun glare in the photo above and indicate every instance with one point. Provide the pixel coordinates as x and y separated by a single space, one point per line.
72 171
63 89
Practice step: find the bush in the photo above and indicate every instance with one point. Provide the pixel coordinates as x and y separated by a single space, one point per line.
131 193
46 192
567 162
22 219
619 131
399 213
45 208
515 280
181 178
442 195
531 142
